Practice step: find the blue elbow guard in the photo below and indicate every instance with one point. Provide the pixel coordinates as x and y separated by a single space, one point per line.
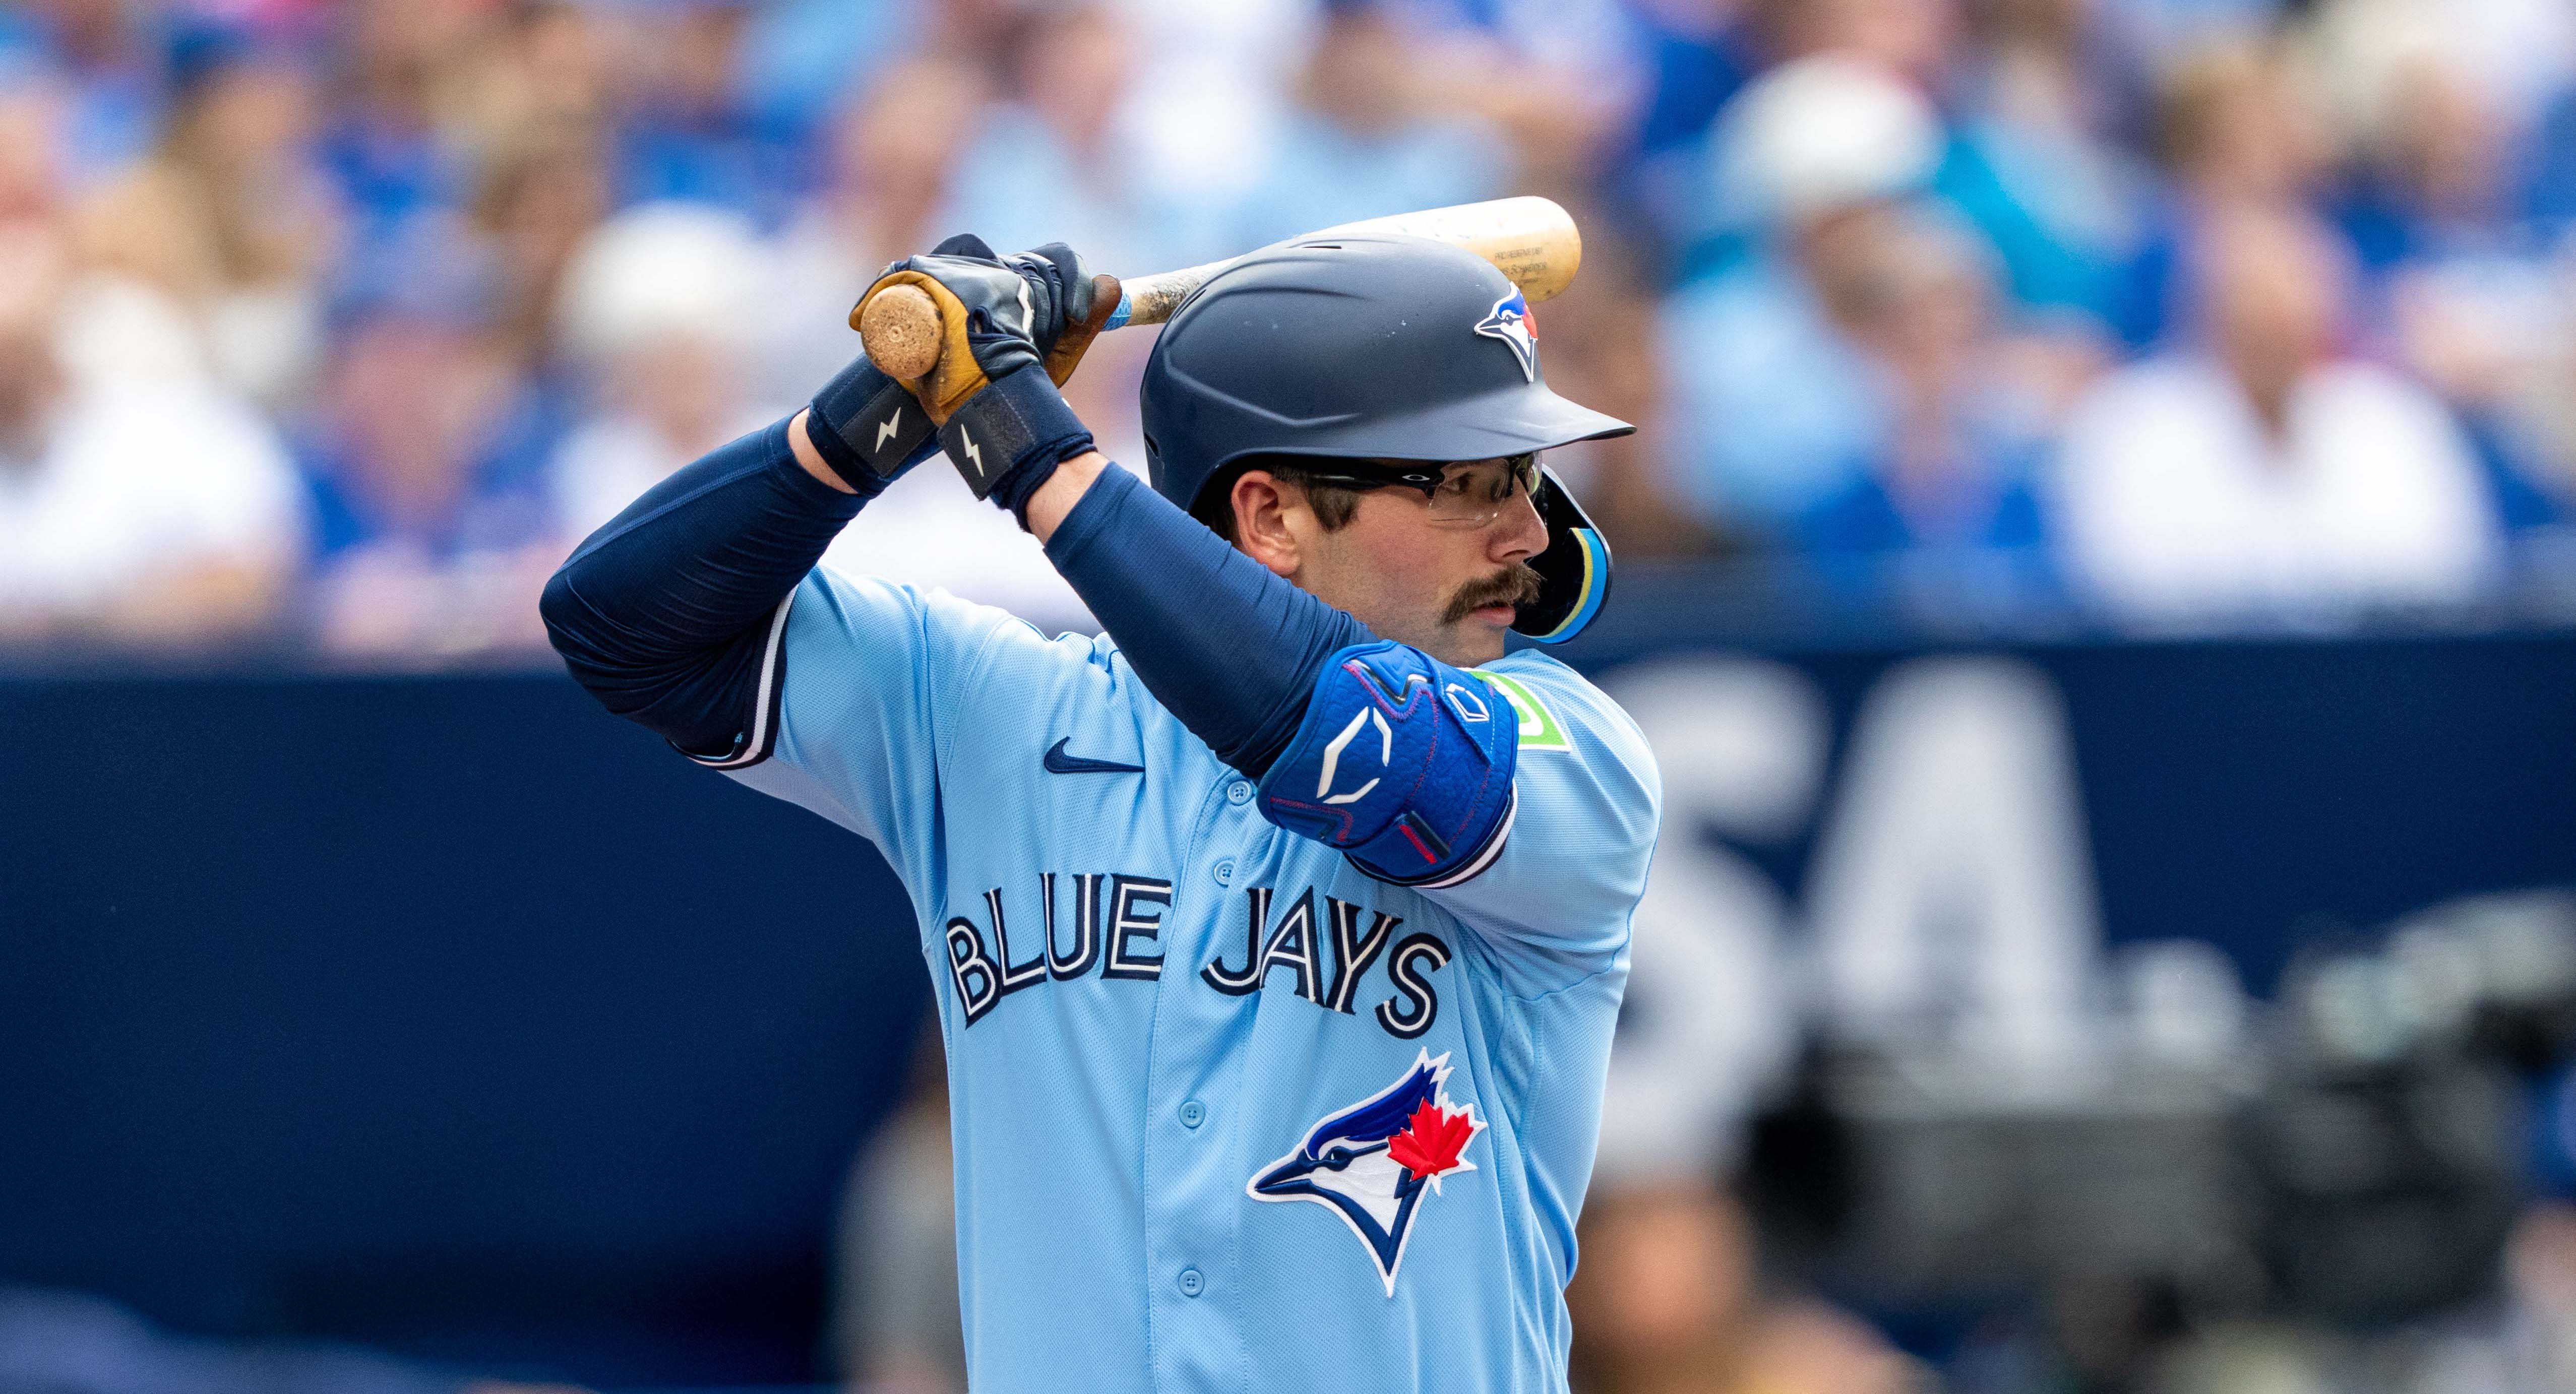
1403 763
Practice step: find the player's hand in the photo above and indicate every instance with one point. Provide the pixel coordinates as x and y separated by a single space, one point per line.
1004 426
1079 301
1000 314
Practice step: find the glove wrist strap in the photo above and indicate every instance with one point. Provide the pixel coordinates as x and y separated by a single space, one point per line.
872 430
1007 439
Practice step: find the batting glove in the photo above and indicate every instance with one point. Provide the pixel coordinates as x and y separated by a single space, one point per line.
1005 427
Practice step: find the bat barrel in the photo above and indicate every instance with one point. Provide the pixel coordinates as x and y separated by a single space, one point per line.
1530 239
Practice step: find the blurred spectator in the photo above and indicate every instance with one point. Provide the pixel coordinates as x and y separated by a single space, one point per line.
799 60
31 167
1594 354
1944 510
1669 1301
2260 473
2549 174
1696 55
1911 39
1776 403
2473 300
1694 190
2431 137
547 62
896 1320
423 461
2231 129
658 307
133 507
885 176
1699 54
1367 140
1053 163
1212 91
105 52
691 136
389 146
2541 1269
1845 375
2035 166
539 192
229 215
1559 78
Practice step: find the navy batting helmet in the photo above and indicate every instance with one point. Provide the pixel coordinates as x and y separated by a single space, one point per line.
1374 347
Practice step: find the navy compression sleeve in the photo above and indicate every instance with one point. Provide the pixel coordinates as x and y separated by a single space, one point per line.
663 613
1231 649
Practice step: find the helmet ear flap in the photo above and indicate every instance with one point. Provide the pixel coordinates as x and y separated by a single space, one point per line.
1574 570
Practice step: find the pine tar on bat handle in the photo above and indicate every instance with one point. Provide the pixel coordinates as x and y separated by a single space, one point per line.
1531 240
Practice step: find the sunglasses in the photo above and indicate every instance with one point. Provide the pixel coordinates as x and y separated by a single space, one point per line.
1464 493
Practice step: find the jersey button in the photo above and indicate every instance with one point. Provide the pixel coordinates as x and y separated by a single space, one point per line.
1191 1283
1224 871
1239 792
1193 1113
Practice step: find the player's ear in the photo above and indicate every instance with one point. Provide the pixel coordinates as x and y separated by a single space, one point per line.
1262 508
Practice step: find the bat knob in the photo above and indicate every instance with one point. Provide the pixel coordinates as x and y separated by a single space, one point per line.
900 330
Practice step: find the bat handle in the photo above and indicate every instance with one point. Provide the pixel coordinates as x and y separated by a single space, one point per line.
900 326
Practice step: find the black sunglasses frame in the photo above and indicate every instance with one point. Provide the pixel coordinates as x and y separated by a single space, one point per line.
1424 477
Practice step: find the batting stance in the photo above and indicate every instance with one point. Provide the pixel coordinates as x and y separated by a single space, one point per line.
1278 933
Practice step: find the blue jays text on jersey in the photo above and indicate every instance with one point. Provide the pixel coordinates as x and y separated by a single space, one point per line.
1327 954
1229 1113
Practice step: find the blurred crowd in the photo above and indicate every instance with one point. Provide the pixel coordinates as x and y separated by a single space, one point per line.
338 322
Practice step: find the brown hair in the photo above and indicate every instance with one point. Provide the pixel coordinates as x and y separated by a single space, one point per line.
1333 503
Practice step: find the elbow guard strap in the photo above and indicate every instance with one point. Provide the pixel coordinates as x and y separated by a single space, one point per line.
1403 763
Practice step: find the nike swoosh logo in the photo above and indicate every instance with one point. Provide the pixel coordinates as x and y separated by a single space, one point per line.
1057 762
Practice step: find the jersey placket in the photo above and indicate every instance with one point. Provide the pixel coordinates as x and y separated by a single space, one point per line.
1195 1070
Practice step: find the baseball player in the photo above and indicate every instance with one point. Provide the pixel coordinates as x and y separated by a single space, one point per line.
1277 933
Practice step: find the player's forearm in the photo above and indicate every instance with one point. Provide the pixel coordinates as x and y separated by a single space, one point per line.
809 458
1054 500
1230 648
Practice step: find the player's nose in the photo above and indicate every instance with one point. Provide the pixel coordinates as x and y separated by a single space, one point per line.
1519 534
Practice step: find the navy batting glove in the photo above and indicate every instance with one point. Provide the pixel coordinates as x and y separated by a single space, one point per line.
1007 438
1062 294
871 430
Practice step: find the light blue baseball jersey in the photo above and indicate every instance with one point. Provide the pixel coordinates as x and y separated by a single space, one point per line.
1229 1113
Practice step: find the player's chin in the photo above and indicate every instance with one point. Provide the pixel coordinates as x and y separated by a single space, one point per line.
1480 634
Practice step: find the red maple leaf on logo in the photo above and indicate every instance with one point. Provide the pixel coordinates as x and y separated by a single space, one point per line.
1431 1141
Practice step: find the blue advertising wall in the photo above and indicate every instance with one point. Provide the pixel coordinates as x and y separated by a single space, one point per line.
448 1013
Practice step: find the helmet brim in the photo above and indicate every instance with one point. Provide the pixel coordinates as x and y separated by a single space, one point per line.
1510 422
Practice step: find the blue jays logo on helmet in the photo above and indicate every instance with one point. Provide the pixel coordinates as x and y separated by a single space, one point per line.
1509 321
1374 1161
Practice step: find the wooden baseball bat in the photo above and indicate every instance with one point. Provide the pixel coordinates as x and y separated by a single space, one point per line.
1531 240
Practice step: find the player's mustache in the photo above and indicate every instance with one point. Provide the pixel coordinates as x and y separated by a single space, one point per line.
1516 587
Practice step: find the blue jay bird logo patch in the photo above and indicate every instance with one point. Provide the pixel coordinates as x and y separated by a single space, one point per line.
1510 322
1374 1161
